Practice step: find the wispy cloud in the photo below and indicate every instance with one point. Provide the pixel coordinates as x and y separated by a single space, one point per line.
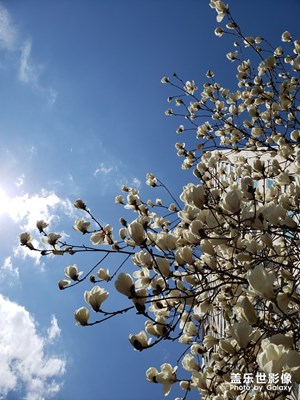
8 271
54 330
114 175
103 170
29 70
25 360
20 180
7 31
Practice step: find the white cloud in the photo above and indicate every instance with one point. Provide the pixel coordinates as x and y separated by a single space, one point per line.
7 31
25 361
54 330
8 270
20 180
27 209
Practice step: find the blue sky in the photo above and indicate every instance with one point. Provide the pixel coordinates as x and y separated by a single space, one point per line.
82 112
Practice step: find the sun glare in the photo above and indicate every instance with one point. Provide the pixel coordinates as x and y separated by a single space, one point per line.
4 202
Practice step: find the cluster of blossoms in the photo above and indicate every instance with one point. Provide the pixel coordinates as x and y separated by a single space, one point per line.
219 269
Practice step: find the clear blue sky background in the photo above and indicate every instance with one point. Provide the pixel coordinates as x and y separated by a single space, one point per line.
82 112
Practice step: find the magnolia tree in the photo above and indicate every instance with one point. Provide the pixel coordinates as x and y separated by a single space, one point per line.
218 269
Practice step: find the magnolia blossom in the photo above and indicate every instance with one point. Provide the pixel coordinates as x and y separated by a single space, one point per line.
217 269
63 283
124 284
104 236
137 232
103 274
167 377
241 331
286 36
162 265
72 272
79 204
189 363
220 7
139 341
232 201
51 238
97 237
41 225
247 311
26 240
82 226
165 79
261 281
151 374
194 195
272 358
95 297
119 199
190 87
82 316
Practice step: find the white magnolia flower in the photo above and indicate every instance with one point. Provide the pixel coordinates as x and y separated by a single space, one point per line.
162 266
81 225
261 281
51 238
272 358
41 225
194 195
72 272
232 55
119 199
167 377
63 283
97 238
241 331
286 36
189 363
184 255
232 201
143 258
103 274
95 297
151 374
26 240
139 341
210 341
80 204
207 247
82 316
124 284
137 233
190 87
247 311
219 31
165 79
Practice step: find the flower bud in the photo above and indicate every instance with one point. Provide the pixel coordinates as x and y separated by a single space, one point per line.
82 316
124 284
79 204
137 233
